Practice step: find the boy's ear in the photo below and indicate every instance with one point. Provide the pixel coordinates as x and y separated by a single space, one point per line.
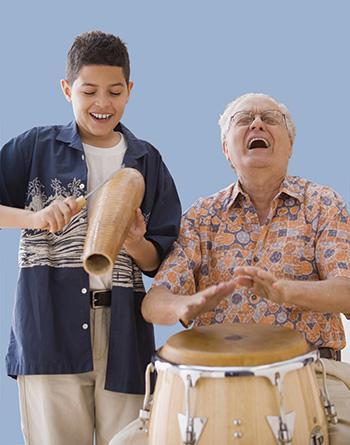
66 90
130 86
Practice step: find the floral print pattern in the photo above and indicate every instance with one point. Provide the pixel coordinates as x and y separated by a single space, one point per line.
306 237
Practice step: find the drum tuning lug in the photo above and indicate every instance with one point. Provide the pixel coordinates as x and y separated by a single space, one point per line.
283 431
316 437
144 415
283 435
331 413
145 412
191 428
329 407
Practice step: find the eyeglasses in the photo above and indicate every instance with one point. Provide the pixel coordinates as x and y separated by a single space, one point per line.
269 117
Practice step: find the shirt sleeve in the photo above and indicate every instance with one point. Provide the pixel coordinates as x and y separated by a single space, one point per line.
14 166
180 269
165 217
333 238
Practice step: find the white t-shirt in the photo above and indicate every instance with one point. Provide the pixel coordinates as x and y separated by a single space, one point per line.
101 163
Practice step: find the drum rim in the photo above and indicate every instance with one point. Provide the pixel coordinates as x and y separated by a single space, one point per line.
255 370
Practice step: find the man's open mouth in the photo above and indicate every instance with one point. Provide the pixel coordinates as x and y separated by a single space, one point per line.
258 143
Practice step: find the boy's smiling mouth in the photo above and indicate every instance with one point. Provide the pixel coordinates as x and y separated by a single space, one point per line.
101 117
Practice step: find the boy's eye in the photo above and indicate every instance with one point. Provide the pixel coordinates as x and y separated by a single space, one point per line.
89 93
113 93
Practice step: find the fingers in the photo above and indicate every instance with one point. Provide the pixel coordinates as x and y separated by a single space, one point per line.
57 215
220 290
247 276
206 300
75 205
140 221
137 229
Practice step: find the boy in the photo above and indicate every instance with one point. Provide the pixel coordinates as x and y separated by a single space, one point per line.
79 345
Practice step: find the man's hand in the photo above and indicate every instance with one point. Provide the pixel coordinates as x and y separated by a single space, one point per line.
55 216
263 283
190 306
161 306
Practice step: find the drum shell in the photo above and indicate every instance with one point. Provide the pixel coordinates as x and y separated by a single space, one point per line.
237 404
111 219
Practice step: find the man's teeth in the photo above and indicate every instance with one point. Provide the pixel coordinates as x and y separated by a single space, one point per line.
101 116
258 143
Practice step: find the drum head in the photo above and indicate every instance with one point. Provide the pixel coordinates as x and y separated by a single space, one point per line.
234 345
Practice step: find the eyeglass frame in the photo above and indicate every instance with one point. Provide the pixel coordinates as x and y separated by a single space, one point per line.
259 114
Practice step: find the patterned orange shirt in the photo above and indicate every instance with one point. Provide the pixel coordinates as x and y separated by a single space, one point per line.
306 237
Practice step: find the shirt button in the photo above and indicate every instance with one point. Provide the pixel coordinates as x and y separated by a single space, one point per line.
256 259
83 157
81 186
85 326
81 220
254 297
84 290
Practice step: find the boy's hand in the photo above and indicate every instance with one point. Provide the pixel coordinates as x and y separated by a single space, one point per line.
136 232
55 216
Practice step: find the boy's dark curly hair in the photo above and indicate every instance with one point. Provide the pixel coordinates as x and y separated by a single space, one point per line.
96 48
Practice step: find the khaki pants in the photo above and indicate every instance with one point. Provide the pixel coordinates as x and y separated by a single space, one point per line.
338 384
68 409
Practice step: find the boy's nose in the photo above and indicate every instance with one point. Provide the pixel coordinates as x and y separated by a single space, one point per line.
102 100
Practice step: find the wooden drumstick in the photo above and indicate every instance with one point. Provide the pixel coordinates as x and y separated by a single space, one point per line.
81 202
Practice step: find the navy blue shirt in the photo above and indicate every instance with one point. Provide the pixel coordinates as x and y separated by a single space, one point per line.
52 307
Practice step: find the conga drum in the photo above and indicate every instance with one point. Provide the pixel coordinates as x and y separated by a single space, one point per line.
245 384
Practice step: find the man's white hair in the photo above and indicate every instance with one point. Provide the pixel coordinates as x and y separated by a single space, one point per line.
225 118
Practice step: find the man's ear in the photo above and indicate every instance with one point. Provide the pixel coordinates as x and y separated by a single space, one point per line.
66 90
224 149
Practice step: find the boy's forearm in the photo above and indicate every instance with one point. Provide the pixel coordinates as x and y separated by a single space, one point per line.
144 254
14 218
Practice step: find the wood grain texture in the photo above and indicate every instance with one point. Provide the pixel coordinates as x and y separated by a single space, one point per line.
111 219
249 399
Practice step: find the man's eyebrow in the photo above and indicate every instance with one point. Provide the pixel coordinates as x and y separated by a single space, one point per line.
88 84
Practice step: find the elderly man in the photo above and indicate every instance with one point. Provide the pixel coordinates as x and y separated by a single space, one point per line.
270 248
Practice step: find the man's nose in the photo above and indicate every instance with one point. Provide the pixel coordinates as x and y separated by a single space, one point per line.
257 123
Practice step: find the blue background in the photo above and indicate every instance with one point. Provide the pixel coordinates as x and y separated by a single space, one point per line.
189 59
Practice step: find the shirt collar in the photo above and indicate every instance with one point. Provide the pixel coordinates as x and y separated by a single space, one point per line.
290 186
69 134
